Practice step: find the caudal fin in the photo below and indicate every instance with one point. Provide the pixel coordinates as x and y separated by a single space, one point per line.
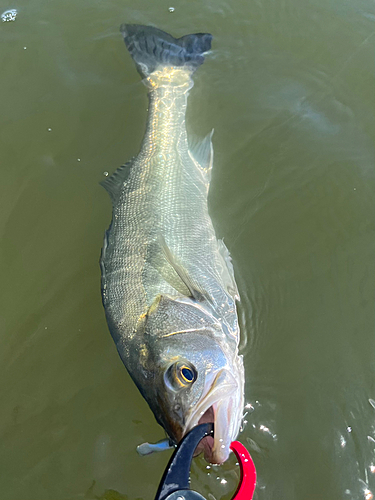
151 48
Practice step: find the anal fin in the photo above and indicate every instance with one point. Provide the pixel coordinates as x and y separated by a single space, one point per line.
114 183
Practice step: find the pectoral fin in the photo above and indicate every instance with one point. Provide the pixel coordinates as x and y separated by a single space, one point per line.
194 290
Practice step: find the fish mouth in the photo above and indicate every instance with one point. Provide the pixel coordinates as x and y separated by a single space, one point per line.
221 405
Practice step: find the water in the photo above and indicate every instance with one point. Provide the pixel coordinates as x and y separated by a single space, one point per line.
288 88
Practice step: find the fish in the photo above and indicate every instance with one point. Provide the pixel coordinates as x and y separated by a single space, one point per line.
168 285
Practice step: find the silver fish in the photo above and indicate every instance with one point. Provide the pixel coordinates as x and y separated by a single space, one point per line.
168 285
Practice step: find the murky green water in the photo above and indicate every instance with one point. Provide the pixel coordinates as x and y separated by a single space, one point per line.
289 89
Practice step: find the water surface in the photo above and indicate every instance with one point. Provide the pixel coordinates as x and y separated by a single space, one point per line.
289 89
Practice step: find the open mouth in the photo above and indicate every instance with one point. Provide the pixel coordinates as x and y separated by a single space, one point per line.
222 405
207 443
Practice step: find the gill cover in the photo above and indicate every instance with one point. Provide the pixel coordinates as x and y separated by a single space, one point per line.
173 373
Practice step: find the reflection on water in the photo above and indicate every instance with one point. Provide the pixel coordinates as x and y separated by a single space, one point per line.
9 15
288 88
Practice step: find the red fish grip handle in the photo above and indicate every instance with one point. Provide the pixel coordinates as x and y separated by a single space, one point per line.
248 475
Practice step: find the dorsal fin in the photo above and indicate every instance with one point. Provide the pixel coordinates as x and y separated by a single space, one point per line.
114 183
203 153
228 272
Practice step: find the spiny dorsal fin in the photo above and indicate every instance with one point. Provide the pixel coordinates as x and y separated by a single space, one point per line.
203 153
228 275
195 292
114 183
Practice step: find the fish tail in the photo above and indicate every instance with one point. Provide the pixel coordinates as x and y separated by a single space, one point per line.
153 49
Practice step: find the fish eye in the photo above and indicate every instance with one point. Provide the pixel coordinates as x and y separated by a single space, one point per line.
187 374
180 376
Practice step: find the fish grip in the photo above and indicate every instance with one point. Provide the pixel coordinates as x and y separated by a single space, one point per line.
175 483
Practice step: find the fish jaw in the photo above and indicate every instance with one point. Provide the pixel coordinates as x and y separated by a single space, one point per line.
222 404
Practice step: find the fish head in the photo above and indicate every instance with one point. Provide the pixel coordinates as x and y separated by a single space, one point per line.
194 374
